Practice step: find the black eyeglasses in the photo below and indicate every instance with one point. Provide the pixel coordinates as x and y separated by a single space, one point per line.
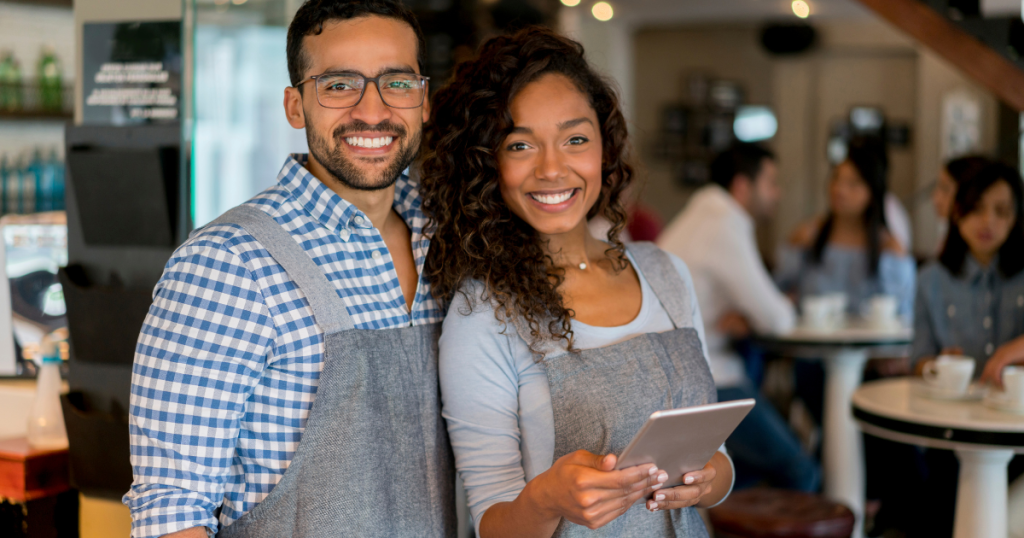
345 90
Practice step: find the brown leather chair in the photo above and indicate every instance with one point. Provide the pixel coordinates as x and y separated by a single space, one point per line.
776 513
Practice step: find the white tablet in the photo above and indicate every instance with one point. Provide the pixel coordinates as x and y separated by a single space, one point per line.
683 440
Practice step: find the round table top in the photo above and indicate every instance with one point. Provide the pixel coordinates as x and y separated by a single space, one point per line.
807 342
895 406
852 333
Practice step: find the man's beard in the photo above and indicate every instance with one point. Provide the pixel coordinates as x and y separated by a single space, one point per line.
348 172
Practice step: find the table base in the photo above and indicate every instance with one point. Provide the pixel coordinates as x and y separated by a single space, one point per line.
981 494
843 446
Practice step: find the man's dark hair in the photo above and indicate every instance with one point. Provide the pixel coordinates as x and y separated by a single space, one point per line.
968 195
311 17
741 158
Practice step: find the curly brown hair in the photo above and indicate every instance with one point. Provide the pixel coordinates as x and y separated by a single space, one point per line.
475 234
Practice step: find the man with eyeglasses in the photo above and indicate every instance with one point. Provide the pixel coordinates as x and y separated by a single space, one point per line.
285 380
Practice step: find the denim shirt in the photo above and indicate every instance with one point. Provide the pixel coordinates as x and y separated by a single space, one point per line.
845 269
977 312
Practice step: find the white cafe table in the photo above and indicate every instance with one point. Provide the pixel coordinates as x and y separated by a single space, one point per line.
844 352
984 441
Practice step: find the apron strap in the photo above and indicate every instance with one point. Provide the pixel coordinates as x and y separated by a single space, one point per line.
665 281
328 308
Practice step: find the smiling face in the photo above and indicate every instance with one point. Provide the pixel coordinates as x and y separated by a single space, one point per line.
848 193
987 226
367 146
550 165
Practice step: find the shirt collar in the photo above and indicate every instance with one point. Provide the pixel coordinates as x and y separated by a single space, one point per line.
974 272
334 212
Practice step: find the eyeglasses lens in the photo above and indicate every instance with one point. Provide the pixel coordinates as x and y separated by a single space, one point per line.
399 90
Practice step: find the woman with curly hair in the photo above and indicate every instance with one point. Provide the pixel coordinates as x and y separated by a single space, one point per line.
557 345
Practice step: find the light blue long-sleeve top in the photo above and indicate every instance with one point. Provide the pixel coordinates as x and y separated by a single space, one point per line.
845 269
496 398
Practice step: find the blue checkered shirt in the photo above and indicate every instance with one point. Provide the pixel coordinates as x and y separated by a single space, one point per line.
227 364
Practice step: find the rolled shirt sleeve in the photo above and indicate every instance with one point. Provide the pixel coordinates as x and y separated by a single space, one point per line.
750 288
202 349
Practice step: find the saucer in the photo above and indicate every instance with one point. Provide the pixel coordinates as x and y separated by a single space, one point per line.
974 392
997 401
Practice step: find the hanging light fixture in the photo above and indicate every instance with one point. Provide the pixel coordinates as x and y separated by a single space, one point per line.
801 9
602 11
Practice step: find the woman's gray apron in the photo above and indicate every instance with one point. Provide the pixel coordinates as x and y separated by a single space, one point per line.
601 397
374 459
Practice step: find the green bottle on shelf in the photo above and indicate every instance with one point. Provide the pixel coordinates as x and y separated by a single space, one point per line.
50 85
10 82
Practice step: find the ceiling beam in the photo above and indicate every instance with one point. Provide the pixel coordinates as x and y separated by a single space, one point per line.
959 48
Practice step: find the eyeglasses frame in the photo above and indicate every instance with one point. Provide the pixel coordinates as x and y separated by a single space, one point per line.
362 92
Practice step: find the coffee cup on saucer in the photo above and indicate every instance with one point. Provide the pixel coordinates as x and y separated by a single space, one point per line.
1013 385
817 311
949 375
824 312
882 312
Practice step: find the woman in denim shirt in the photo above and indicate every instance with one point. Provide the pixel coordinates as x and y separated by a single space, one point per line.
971 300
850 250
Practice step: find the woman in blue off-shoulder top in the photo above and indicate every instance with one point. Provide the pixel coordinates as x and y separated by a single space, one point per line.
849 250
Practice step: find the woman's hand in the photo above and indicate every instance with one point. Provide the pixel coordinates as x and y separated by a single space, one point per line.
1009 353
703 488
584 488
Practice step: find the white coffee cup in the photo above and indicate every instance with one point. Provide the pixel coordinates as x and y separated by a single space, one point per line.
1013 384
838 301
817 311
950 374
882 311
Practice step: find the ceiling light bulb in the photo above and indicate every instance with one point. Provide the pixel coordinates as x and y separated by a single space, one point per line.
602 11
571 3
801 9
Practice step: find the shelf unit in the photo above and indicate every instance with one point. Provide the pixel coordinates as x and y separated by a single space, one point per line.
36 116
48 3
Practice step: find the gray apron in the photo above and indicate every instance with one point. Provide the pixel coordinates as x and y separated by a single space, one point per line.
601 397
374 459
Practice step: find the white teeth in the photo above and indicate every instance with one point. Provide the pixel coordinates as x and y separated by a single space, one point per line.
361 142
552 199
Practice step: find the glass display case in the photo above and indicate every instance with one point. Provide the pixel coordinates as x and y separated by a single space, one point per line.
240 136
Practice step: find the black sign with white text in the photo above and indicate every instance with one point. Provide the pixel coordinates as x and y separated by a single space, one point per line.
131 73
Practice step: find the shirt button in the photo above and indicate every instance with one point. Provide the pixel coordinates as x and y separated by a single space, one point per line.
345 234
358 220
989 349
987 322
951 311
375 255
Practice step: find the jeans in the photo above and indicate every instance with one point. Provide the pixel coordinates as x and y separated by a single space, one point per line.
764 449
